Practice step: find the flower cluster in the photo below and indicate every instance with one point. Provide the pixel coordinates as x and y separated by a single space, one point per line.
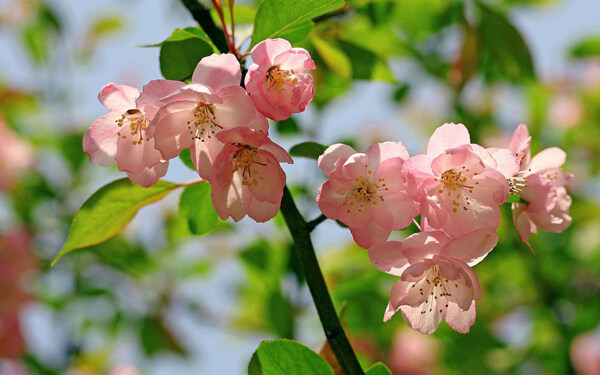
456 188
221 123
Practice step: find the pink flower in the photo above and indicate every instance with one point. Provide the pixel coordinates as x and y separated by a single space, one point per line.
16 156
540 182
436 277
366 191
457 184
121 136
277 80
193 116
585 353
248 179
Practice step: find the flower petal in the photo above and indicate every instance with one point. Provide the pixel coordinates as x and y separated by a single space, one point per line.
218 71
118 98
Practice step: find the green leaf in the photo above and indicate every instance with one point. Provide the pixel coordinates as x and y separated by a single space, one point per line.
505 55
308 150
366 64
287 127
241 14
156 337
106 25
182 51
289 19
586 48
512 198
186 158
108 210
334 58
378 369
196 205
280 315
286 357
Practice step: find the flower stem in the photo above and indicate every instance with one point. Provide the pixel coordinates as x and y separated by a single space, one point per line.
334 332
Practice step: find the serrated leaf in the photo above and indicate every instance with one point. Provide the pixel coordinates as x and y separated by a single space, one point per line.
308 150
378 369
196 205
182 51
586 48
286 357
109 210
289 19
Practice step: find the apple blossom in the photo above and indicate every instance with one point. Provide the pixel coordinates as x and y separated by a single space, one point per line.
366 191
195 114
248 179
540 182
121 136
277 80
456 183
436 277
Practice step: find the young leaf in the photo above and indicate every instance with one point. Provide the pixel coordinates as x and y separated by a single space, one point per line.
182 51
286 357
586 48
378 369
108 210
308 150
289 19
196 205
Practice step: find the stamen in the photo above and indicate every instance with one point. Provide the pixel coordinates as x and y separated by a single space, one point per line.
137 123
277 78
204 125
246 158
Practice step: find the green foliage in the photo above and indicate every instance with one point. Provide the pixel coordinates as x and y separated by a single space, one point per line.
505 55
310 150
334 58
288 127
586 48
156 337
108 210
378 369
242 13
366 64
182 51
286 357
40 34
289 19
186 158
196 206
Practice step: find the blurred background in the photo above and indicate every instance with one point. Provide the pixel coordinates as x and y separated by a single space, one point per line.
159 299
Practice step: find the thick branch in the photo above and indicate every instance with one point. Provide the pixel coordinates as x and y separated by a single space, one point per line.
202 16
318 289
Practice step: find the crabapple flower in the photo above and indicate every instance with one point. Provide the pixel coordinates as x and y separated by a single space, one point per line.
366 191
541 183
121 136
194 115
437 281
248 179
277 80
456 183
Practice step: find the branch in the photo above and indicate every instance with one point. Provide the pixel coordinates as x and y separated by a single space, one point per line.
311 225
334 332
202 16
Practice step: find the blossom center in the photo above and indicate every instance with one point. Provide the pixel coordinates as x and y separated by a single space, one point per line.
364 192
455 185
204 123
439 287
278 78
133 123
247 159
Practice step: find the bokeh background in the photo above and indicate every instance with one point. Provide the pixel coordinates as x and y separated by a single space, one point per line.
158 299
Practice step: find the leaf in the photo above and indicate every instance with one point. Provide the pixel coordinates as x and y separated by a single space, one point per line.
586 48
186 158
308 150
288 126
378 369
289 19
106 25
196 205
512 198
156 337
182 51
280 315
505 53
241 14
286 357
335 59
108 210
366 64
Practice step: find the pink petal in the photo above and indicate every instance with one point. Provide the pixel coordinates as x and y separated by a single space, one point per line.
422 245
358 215
134 158
549 158
425 323
388 175
203 154
416 172
236 109
396 212
270 180
472 247
296 59
388 257
447 136
118 98
457 158
370 235
246 136
149 176
218 71
170 128
459 319
522 223
334 153
329 200
387 150
263 211
100 141
506 161
149 100
520 144
231 201
265 52
459 284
